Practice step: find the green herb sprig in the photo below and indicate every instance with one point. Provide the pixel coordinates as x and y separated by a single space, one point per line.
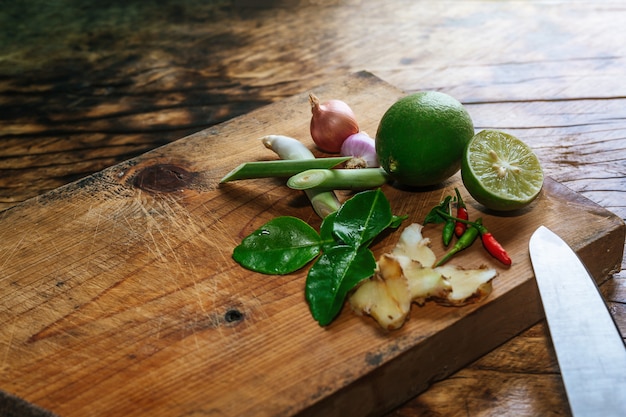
286 244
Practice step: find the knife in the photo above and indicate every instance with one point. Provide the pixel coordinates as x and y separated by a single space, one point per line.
589 348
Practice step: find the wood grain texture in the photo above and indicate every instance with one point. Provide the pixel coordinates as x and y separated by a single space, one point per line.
82 89
124 280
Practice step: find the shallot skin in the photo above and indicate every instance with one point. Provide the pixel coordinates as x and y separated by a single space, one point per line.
331 123
362 148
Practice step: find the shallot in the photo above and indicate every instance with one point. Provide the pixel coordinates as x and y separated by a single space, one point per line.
362 148
331 123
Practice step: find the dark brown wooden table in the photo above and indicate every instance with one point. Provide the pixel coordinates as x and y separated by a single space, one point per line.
83 87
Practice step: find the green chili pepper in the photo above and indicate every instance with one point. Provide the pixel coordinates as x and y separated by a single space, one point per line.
464 242
448 228
490 243
448 232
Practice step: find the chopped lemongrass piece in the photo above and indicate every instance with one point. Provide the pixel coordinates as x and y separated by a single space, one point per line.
280 168
287 147
323 202
338 179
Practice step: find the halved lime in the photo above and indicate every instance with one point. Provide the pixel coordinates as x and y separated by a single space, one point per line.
500 171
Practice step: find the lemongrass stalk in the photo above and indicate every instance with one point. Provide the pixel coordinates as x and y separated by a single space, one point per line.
287 147
323 202
339 179
280 168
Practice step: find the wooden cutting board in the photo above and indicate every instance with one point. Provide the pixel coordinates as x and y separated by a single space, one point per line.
119 295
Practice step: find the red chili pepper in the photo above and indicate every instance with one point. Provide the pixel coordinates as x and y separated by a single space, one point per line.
461 213
492 246
490 243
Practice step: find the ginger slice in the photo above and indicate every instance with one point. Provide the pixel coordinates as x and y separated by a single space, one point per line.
415 246
468 286
406 275
426 283
385 296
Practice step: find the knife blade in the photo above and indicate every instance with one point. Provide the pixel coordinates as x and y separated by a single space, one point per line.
589 348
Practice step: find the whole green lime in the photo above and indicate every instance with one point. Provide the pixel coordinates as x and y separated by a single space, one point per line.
421 138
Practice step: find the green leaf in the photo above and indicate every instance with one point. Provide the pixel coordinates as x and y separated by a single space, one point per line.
282 245
433 216
332 276
396 221
327 235
286 244
326 229
360 219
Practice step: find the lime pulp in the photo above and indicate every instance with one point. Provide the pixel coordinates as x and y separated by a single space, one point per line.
500 171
